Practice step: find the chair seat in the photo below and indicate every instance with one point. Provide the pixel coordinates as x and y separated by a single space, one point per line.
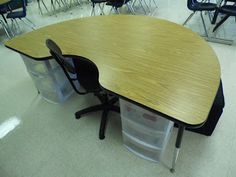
16 14
203 6
3 9
116 3
98 1
228 9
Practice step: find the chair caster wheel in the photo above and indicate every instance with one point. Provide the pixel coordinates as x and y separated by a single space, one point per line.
101 137
77 116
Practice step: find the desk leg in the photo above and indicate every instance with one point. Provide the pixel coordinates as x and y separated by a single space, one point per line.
177 147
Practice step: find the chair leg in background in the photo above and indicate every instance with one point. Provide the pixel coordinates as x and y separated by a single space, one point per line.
154 1
141 4
215 17
101 9
27 24
45 6
129 5
5 29
58 2
189 17
204 25
39 7
144 1
111 10
53 7
65 4
93 10
14 26
78 2
117 10
33 25
221 22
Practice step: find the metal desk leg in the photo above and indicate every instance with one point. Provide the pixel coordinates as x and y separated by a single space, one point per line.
177 147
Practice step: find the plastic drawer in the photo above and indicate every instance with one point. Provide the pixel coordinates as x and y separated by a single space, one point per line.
150 136
143 116
54 86
54 96
39 67
141 149
53 80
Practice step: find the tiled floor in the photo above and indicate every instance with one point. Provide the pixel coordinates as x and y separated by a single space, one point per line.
49 142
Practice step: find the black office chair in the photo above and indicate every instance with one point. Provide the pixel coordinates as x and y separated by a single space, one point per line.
86 73
117 4
99 2
227 9
195 6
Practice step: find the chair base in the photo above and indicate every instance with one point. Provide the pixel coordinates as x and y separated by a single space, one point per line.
106 106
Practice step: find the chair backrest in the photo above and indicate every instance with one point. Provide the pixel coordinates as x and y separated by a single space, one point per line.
191 3
3 9
118 3
86 71
197 5
24 6
18 5
230 1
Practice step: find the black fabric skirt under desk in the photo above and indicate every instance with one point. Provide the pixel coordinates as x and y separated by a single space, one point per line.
214 115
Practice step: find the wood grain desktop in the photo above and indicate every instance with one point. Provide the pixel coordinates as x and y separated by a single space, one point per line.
153 62
4 1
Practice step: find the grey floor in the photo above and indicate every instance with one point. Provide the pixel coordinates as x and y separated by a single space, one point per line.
49 142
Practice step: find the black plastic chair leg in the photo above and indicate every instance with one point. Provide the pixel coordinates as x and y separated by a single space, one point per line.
103 124
102 98
113 101
221 22
88 110
215 17
115 108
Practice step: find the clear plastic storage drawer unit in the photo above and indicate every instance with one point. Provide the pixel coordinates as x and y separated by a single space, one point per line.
49 79
144 133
